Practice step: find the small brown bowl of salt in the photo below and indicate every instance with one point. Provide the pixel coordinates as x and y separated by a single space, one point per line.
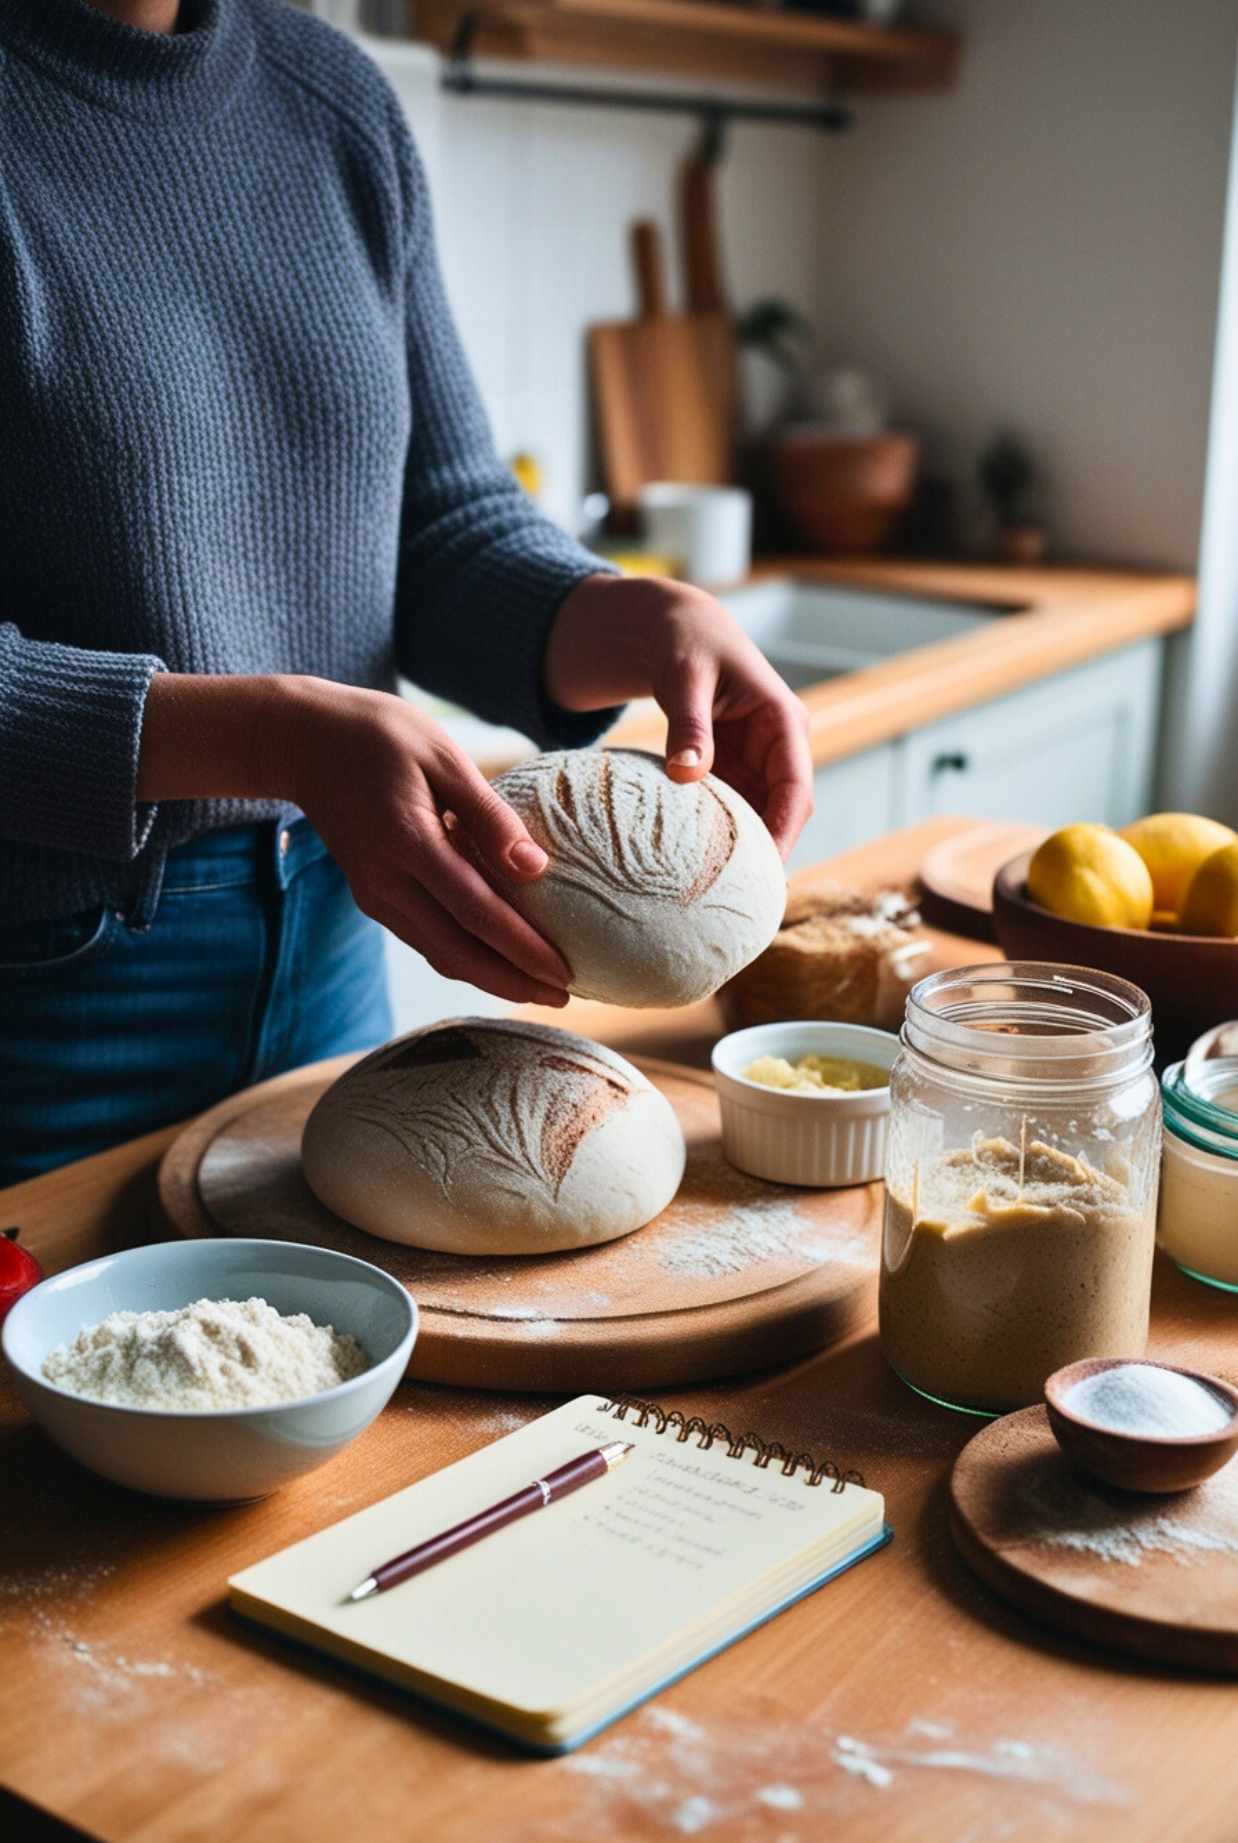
1142 1425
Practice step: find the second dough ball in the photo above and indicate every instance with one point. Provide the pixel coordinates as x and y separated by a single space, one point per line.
657 892
488 1136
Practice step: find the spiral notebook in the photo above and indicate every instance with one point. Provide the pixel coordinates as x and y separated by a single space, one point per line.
560 1623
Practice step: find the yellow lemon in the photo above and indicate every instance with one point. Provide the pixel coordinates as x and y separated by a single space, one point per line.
1211 905
1173 846
1086 873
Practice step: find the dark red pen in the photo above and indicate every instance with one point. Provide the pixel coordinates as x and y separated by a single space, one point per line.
542 1491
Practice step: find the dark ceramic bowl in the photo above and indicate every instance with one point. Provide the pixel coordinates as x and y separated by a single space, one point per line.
1138 1462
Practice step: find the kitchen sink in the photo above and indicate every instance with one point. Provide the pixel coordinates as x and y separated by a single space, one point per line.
813 631
810 631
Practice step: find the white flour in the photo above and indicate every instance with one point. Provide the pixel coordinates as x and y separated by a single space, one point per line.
1002 1759
1203 1524
663 1773
213 1354
745 1227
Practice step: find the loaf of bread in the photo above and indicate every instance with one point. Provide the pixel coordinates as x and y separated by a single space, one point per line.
657 891
487 1136
838 955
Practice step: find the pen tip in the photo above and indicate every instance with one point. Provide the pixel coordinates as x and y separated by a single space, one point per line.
367 1587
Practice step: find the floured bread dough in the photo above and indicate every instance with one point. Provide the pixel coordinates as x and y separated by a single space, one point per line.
657 892
487 1136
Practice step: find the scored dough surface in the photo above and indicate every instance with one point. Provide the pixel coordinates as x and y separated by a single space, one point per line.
488 1136
657 892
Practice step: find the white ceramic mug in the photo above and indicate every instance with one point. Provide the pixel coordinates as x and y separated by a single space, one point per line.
707 529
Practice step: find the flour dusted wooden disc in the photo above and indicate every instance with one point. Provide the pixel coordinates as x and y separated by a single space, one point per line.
657 891
1156 1576
491 1136
735 1274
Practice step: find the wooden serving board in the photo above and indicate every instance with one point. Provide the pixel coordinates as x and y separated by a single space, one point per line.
956 877
734 1275
661 388
1157 1576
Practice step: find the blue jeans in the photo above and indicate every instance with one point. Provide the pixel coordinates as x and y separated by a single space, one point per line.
257 961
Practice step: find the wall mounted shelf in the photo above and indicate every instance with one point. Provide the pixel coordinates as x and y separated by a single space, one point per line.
714 38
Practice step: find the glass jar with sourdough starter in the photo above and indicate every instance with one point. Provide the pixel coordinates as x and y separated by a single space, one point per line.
1021 1178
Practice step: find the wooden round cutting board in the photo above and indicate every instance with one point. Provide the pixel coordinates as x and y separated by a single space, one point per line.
733 1275
1157 1576
956 877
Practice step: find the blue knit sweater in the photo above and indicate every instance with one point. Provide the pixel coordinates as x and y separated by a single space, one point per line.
237 432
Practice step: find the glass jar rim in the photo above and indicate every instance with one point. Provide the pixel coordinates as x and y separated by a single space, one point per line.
1196 1117
1031 1021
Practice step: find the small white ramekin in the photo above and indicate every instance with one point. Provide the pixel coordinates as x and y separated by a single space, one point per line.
813 1139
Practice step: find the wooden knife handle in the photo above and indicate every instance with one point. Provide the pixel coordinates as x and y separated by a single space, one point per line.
699 237
649 269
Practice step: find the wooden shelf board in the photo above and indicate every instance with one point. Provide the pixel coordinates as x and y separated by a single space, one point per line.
709 35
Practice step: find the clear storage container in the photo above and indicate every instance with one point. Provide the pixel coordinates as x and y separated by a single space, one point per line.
1198 1220
1021 1181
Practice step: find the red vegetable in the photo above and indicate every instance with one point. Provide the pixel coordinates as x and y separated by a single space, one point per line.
19 1271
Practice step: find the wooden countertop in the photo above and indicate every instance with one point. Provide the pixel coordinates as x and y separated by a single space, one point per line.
1058 618
135 1706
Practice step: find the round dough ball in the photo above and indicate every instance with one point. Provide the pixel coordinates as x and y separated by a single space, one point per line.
657 891
484 1136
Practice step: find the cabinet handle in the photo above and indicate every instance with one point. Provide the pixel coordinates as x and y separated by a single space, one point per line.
955 763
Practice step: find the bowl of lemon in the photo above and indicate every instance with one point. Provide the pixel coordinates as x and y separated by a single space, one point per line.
1155 903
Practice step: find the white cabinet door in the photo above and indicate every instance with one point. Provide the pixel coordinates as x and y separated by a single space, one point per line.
855 801
1079 745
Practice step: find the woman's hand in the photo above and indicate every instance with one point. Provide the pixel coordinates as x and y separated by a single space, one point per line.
726 707
385 789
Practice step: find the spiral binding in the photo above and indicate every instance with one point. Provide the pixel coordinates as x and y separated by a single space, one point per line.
620 1406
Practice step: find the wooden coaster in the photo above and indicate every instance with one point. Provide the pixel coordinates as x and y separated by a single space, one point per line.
735 1274
1157 1576
957 875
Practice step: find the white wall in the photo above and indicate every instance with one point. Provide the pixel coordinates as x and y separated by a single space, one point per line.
532 205
1200 768
1041 247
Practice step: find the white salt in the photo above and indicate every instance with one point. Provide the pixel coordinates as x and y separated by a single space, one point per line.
1150 1402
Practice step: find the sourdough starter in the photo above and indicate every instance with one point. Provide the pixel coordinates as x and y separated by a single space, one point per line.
990 1283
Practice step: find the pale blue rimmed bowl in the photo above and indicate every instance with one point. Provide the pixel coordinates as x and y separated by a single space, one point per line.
235 1453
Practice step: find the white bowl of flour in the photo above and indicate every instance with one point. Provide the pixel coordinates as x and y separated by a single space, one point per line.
213 1370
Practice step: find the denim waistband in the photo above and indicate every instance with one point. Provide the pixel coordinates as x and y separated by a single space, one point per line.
239 856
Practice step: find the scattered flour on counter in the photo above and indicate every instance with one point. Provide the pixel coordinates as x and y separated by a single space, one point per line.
739 1228
781 1797
695 1813
213 1354
55 1583
1013 1760
107 1677
931 1730
660 1772
1071 1515
854 1757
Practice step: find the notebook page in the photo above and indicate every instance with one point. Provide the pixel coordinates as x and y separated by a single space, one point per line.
542 1615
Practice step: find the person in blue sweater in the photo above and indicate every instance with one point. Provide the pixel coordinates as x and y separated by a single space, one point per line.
245 478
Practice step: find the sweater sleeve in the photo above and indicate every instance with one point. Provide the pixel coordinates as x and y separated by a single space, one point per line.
70 726
482 572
